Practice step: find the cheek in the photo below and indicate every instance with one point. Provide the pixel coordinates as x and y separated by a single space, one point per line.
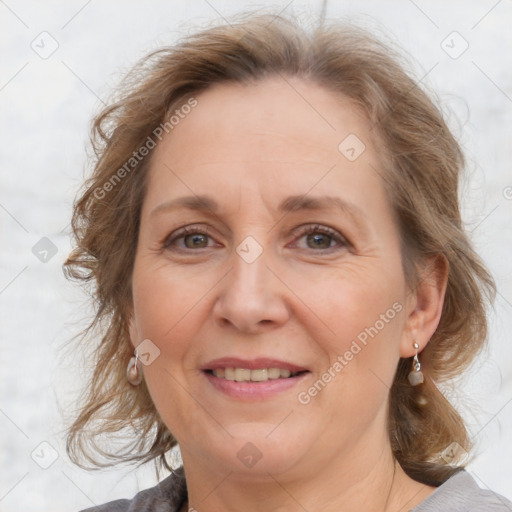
356 303
165 301
363 357
364 316
169 311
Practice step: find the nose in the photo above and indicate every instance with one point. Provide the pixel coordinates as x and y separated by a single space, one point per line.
251 298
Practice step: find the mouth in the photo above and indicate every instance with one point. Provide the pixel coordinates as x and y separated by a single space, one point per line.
256 375
252 379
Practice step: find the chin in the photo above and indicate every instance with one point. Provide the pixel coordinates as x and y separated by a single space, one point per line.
260 448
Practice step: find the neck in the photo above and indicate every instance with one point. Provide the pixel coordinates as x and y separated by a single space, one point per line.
354 481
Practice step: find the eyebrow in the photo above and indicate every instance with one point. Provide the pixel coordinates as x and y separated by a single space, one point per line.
290 204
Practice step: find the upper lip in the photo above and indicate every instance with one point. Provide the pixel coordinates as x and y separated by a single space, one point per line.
252 364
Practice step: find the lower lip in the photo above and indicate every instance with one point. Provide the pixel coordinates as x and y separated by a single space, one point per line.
253 390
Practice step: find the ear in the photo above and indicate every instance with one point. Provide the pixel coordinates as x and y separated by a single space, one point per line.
425 305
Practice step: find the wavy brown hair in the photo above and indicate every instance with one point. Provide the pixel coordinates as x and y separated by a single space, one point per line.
421 168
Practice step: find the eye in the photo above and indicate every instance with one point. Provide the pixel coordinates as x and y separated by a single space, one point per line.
189 237
316 237
321 238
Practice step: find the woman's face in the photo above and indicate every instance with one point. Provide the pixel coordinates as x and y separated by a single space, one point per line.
290 262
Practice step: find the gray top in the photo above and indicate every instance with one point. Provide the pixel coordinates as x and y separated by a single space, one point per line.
460 493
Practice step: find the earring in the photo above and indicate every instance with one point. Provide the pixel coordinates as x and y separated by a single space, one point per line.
134 371
415 376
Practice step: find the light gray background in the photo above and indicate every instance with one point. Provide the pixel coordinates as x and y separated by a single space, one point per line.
46 106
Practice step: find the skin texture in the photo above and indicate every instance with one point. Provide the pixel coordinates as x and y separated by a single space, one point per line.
249 147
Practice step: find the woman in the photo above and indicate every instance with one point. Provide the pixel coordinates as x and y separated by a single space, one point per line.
273 233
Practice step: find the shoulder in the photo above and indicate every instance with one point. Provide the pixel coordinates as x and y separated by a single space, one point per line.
460 493
166 496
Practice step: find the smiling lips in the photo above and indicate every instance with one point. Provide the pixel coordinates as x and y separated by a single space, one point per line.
234 370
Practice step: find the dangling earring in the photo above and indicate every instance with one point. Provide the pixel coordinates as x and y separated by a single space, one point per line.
134 371
415 376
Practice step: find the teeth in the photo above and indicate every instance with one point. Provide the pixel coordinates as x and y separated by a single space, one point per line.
259 375
246 375
242 374
220 372
274 373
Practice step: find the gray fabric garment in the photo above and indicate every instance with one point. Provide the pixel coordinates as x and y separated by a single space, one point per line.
460 493
167 496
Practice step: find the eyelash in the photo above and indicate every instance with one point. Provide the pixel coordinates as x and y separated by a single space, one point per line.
204 230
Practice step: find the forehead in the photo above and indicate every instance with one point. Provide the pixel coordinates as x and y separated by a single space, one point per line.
302 115
277 136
